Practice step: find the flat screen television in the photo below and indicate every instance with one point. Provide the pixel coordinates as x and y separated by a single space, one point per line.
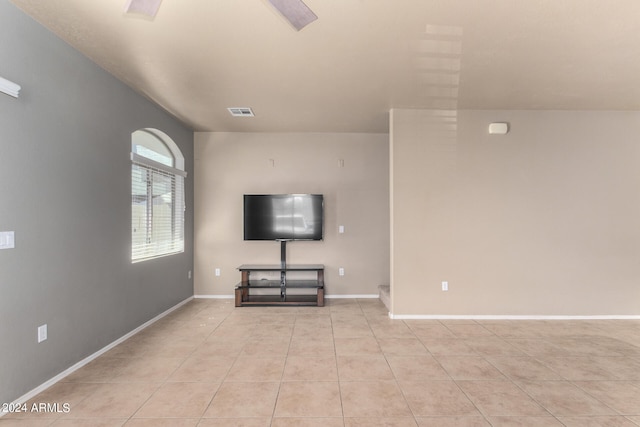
283 216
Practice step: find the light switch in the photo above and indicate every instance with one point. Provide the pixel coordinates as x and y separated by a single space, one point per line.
7 240
42 333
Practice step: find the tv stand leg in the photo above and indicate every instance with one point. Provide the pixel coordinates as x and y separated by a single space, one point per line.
239 293
245 281
283 272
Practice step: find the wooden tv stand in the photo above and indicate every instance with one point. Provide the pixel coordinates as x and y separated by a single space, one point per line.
278 288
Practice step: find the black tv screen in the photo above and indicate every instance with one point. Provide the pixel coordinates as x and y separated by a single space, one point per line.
283 217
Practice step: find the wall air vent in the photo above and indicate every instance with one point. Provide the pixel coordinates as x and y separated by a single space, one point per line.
241 111
144 7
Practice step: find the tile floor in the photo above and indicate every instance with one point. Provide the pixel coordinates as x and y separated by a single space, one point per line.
347 364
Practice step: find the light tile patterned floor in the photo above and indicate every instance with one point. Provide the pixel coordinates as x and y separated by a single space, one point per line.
347 364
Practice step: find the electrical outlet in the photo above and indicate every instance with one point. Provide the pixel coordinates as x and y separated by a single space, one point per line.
341 229
217 272
341 271
189 274
42 333
7 240
445 286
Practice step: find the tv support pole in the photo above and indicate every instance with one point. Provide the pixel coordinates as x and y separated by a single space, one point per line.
283 266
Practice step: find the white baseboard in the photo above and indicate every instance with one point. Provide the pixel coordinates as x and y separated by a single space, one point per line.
363 296
509 317
214 296
42 387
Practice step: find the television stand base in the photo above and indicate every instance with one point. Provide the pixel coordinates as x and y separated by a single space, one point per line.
307 292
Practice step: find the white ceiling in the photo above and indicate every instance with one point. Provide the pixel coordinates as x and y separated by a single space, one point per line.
345 71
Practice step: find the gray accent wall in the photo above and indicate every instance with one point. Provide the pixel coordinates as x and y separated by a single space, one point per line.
65 191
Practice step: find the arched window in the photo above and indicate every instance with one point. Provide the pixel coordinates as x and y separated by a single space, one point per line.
157 195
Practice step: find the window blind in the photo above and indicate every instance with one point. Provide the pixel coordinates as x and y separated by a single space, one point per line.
157 198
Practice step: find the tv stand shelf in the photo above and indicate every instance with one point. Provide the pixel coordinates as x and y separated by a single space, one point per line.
244 297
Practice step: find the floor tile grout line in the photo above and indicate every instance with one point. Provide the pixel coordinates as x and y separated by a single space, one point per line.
176 369
515 383
373 325
572 382
335 356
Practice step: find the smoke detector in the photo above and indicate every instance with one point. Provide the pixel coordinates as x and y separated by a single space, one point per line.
241 111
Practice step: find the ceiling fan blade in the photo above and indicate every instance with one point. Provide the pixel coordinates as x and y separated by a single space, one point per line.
144 7
296 12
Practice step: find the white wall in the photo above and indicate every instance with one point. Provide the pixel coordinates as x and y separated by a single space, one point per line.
229 165
542 221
